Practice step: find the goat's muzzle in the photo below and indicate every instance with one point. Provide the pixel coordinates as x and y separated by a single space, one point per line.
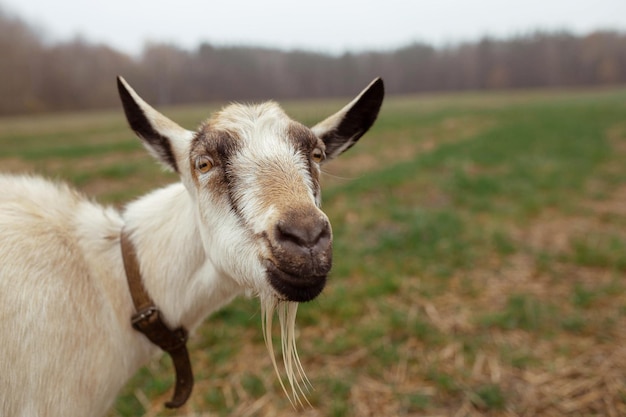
301 246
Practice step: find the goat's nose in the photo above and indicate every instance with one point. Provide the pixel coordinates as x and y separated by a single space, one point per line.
309 234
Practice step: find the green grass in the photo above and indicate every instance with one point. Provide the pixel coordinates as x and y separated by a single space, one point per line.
488 397
466 226
605 250
522 311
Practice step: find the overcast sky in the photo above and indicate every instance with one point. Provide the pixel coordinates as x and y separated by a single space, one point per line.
319 25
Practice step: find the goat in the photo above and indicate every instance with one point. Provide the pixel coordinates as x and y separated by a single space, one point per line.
245 218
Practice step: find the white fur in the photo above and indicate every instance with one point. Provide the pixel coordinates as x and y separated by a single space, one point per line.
66 343
67 346
268 153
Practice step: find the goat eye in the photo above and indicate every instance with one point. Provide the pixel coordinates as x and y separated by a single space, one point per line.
203 164
318 155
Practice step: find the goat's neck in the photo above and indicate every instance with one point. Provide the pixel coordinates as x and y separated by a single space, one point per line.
181 280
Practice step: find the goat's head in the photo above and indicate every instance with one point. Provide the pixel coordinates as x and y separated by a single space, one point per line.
254 174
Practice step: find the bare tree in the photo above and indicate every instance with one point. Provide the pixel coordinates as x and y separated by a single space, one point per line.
78 75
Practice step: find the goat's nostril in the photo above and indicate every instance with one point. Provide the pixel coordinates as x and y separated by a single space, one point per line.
310 234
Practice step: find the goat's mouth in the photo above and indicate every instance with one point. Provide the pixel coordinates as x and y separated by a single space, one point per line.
290 287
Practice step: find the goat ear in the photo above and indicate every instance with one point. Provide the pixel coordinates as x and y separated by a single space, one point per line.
159 134
341 130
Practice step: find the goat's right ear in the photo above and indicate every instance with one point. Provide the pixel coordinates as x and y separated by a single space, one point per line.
161 136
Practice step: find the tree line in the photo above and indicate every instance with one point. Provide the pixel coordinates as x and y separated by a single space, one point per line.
36 76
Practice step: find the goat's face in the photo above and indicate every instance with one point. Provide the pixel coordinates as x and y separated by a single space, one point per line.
261 170
254 174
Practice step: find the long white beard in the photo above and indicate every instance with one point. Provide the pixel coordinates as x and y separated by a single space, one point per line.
293 368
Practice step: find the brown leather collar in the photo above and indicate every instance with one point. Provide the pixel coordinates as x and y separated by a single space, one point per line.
148 321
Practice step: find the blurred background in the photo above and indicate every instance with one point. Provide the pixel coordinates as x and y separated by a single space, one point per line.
63 55
479 226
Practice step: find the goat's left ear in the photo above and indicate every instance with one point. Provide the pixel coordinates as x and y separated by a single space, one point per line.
161 136
341 130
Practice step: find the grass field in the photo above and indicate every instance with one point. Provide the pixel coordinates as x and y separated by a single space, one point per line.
480 260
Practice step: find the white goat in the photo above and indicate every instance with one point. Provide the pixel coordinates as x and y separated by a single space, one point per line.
245 218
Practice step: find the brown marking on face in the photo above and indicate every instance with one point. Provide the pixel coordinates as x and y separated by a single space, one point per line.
219 146
302 137
307 142
280 185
